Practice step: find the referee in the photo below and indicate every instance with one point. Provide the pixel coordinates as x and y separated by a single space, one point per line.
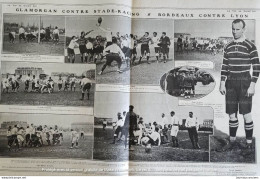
237 83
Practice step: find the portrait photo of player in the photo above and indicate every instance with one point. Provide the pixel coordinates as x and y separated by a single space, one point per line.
237 84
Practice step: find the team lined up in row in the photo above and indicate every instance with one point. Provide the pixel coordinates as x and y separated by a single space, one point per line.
43 83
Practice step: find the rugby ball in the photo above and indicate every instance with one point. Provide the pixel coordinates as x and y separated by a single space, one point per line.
99 20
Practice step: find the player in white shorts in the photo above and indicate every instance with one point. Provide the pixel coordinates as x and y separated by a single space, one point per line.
74 139
175 122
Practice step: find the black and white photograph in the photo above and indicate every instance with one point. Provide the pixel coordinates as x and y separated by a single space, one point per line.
120 52
46 136
54 84
196 42
150 127
33 34
239 74
187 82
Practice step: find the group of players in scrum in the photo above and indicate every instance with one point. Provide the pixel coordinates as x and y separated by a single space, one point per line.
38 136
45 84
118 48
29 35
154 134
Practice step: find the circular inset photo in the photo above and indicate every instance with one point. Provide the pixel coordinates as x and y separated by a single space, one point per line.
187 82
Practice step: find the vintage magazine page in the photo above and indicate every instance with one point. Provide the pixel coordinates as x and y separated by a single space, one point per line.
129 88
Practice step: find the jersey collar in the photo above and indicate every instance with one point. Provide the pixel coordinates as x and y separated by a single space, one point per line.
241 39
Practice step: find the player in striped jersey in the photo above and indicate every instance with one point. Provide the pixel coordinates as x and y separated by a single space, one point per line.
240 55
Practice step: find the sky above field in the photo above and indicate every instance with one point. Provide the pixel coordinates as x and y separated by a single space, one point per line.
212 28
34 19
150 106
47 119
47 67
76 24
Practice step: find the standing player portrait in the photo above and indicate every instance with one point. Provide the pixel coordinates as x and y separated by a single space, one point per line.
237 84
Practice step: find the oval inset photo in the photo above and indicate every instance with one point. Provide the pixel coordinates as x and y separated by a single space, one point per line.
187 82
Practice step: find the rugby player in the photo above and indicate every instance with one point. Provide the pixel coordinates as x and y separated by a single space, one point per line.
175 122
74 139
85 84
56 37
240 55
70 50
165 44
145 50
192 124
113 53
155 42
119 124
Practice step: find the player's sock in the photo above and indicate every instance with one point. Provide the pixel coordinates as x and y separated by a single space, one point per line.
77 144
82 95
81 59
74 89
233 125
177 142
249 131
86 59
157 58
72 144
140 59
148 58
88 95
164 58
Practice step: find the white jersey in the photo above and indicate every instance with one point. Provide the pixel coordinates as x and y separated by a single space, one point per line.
120 123
73 44
191 122
56 31
155 41
155 136
175 120
114 48
14 131
89 45
85 81
21 30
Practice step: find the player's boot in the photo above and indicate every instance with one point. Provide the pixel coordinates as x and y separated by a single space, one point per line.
248 150
197 145
177 142
229 146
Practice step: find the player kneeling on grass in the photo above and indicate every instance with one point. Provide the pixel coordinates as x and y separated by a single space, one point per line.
85 85
113 53
154 138
74 139
71 53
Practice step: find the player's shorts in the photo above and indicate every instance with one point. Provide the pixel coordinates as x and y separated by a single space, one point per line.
145 48
127 51
236 89
157 49
118 130
86 87
73 84
60 85
164 49
174 130
98 49
20 138
152 142
89 51
74 139
27 84
82 49
55 36
113 57
27 137
70 51
134 51
108 43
